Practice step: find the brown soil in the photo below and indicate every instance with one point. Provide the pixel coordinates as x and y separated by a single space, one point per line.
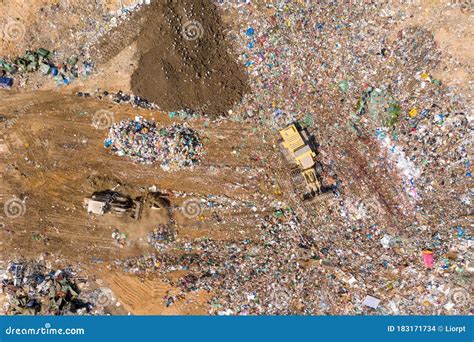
54 157
178 69
183 57
147 297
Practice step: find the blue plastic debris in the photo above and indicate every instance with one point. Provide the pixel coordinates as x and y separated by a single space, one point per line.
107 143
6 82
424 113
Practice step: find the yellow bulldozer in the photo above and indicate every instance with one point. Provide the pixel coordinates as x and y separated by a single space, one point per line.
295 146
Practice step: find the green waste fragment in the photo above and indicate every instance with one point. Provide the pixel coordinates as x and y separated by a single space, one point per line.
278 213
21 61
72 61
395 135
308 120
45 68
393 114
33 66
31 56
7 67
344 86
44 53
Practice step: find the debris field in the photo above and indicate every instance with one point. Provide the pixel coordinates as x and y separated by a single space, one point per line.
142 170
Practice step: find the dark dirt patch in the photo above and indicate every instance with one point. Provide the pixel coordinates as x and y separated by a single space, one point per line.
184 60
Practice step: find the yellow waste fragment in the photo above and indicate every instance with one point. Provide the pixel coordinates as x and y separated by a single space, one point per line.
413 112
425 76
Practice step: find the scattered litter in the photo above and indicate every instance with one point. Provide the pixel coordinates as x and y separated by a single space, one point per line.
33 289
46 62
119 237
371 302
428 259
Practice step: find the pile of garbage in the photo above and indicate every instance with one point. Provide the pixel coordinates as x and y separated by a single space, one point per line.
246 277
33 289
395 241
174 147
161 236
318 273
185 114
43 60
120 97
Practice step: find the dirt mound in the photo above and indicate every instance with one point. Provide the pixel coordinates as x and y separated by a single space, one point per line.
184 61
183 56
